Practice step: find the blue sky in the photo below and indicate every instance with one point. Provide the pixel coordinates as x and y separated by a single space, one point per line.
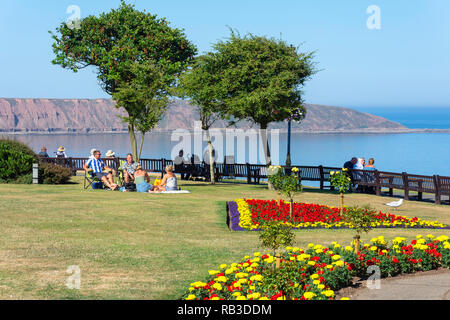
405 63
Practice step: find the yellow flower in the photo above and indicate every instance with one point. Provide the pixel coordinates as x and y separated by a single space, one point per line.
213 272
236 294
221 279
339 263
328 293
215 298
217 286
241 298
316 282
257 277
191 297
309 295
321 286
344 298
295 169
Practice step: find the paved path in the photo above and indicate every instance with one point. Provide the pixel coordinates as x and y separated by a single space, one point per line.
432 285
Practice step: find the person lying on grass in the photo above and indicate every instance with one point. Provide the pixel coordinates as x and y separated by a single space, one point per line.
168 183
97 165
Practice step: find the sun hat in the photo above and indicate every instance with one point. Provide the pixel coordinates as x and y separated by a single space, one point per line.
61 149
110 153
93 150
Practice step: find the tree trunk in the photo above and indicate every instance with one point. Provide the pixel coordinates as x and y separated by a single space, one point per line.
133 141
278 261
356 238
265 143
291 210
140 147
211 158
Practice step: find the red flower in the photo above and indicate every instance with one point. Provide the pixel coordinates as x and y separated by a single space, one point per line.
395 260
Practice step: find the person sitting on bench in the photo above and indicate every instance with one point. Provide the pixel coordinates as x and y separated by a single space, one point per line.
96 165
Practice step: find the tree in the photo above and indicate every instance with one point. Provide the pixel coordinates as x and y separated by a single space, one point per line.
145 99
261 79
201 85
113 42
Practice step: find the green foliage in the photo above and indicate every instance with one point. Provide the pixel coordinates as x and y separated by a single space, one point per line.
53 174
341 180
16 161
360 217
251 78
144 98
275 235
282 279
287 184
114 42
260 77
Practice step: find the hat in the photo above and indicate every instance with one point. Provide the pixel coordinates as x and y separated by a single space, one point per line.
61 149
110 153
93 150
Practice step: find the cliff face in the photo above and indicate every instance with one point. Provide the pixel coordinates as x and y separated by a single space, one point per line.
100 115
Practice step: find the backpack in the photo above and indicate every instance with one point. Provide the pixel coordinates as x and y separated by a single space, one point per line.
130 186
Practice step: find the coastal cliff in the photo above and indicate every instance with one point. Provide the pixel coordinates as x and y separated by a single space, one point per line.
101 115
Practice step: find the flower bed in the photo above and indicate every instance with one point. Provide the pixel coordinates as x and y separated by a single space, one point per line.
317 272
246 214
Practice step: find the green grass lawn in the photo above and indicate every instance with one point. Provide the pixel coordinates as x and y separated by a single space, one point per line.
142 246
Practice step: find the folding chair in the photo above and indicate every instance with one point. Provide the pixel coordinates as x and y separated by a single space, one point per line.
89 179
120 173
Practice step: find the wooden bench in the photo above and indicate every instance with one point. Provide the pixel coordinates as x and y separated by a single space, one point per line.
442 188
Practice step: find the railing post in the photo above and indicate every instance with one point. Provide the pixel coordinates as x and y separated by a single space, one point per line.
378 183
249 174
437 189
406 185
322 177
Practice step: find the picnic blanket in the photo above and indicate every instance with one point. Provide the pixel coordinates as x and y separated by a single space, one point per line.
175 192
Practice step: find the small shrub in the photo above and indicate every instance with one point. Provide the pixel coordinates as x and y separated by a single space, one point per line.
25 179
53 174
16 161
275 235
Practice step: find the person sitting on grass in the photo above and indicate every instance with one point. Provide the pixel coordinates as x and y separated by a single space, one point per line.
96 165
142 180
168 183
129 168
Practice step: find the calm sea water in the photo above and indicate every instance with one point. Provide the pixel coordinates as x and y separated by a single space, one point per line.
413 153
414 118
419 153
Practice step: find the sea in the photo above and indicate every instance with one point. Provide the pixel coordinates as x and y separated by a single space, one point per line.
415 153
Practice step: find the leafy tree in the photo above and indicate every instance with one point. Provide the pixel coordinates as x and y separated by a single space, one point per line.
144 97
361 218
275 235
342 182
114 42
287 183
260 80
201 85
